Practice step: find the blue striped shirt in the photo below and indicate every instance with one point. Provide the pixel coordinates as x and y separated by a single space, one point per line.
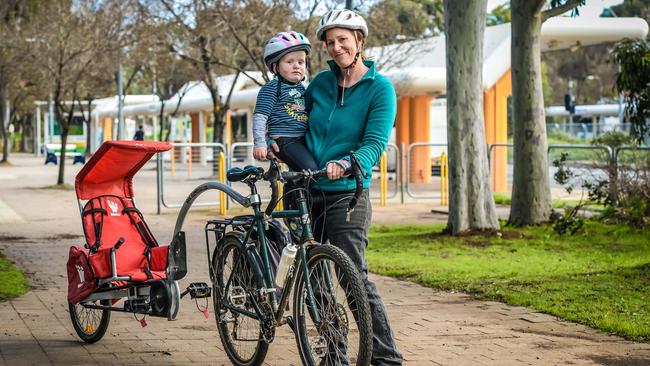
285 116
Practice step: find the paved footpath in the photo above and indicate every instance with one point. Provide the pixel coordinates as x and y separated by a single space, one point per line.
37 227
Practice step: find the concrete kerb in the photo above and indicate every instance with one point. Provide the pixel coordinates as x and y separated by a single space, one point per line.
432 328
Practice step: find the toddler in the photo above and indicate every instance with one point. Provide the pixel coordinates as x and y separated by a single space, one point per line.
280 111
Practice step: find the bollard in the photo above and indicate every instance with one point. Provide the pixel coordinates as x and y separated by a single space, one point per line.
383 179
444 180
222 178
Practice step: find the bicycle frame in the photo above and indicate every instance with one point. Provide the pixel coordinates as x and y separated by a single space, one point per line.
253 223
256 222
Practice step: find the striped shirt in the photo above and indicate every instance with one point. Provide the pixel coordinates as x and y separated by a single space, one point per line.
285 116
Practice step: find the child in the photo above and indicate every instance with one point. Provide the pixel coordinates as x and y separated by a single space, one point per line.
280 107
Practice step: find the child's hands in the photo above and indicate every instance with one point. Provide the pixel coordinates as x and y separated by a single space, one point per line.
259 152
273 148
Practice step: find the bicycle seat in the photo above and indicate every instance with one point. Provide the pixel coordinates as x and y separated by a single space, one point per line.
239 174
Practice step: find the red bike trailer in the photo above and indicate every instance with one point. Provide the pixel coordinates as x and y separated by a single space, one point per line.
112 167
121 259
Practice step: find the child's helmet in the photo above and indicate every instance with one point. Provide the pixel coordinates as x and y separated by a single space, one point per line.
341 18
283 43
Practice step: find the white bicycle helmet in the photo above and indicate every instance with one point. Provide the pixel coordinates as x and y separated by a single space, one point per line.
341 18
283 43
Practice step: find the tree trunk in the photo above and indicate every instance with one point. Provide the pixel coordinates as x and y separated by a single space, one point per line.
471 204
531 193
3 126
64 140
64 126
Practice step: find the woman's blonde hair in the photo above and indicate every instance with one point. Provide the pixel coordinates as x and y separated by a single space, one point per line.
361 44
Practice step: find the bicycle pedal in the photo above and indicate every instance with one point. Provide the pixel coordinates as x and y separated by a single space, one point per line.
198 290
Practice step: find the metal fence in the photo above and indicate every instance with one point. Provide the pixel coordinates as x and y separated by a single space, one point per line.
188 160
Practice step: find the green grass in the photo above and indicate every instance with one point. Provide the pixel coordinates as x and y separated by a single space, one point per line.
600 277
502 199
505 199
12 281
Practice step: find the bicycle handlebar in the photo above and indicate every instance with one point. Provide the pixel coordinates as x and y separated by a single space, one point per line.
273 174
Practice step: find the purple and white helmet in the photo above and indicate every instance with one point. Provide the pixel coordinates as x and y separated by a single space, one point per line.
341 18
283 43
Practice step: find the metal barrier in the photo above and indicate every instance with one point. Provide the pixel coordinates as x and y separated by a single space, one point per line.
490 147
408 167
396 166
160 173
233 147
225 160
583 147
631 148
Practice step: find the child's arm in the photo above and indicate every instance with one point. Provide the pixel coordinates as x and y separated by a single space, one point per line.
266 99
259 136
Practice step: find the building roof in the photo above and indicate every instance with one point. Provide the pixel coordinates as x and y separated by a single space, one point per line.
418 67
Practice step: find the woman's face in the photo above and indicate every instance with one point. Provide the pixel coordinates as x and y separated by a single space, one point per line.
341 46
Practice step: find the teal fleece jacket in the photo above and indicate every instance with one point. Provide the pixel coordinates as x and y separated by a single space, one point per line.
362 124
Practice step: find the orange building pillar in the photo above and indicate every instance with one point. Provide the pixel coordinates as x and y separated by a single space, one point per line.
495 109
420 118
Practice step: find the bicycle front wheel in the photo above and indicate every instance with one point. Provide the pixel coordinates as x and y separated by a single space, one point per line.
333 325
236 283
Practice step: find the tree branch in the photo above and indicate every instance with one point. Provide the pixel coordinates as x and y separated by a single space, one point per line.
569 5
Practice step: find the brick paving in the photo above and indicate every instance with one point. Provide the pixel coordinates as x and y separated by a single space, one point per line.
37 226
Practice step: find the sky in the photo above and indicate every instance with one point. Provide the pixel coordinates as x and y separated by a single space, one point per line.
592 9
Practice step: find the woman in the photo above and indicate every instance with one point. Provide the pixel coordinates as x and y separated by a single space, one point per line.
351 108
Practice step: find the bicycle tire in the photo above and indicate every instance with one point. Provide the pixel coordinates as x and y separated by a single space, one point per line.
249 348
321 344
90 324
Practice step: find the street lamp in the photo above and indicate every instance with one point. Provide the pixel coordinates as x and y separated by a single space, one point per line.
600 86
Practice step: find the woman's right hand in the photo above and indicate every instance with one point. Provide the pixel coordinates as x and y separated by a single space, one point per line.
334 171
259 152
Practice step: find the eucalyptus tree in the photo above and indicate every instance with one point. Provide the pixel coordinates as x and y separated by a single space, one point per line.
14 16
471 203
531 192
68 40
221 37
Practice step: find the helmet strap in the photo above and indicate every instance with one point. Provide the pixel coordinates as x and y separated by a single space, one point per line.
356 56
279 92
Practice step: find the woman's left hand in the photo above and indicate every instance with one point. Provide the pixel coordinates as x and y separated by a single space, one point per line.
334 171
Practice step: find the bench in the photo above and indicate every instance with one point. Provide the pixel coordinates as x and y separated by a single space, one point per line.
51 151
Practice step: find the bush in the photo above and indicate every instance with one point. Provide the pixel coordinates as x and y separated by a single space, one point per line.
626 191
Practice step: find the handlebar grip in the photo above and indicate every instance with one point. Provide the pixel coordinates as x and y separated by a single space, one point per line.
357 170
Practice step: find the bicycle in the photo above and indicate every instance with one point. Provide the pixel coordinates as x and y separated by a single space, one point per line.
331 316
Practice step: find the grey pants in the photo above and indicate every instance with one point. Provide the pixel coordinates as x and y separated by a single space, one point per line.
352 237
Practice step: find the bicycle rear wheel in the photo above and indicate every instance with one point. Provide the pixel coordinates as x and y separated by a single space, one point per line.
343 336
90 324
241 335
